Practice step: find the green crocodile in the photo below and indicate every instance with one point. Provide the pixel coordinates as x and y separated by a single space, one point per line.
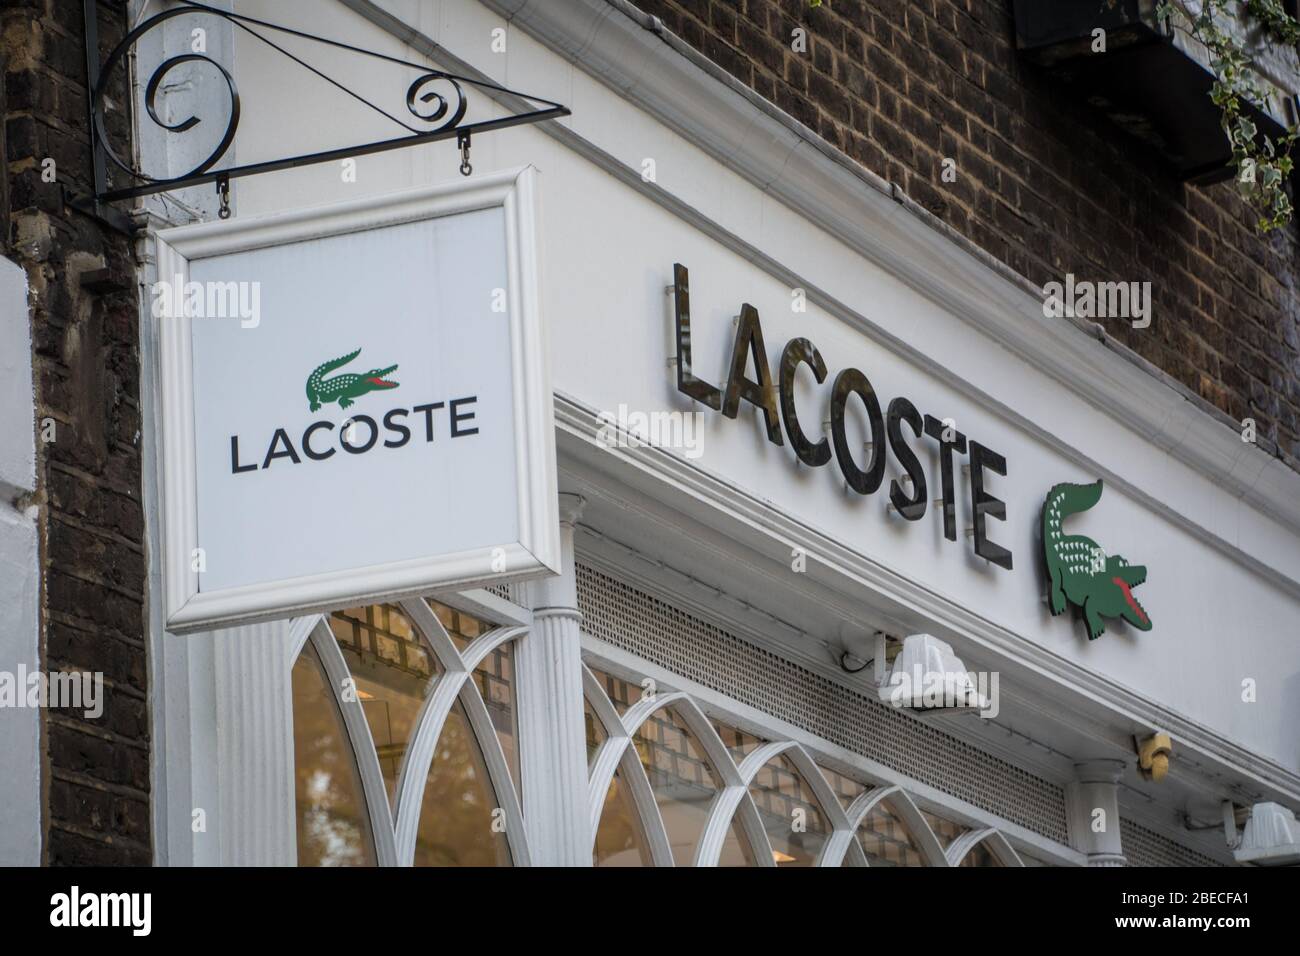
343 388
1081 572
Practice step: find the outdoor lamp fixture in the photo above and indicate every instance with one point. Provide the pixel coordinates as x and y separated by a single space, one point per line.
1271 837
927 678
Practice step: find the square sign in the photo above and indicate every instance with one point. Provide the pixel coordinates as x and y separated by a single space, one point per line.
355 404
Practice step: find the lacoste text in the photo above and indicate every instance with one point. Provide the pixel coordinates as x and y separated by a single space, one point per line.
360 433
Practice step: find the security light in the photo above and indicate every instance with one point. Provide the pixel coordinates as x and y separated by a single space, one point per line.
927 677
1271 837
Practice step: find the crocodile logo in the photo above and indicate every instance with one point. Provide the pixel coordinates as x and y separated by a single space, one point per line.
1080 572
343 388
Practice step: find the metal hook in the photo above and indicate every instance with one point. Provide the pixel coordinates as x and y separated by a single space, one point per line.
223 192
462 140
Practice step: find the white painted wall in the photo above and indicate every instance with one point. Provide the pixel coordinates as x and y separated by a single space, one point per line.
1224 589
20 727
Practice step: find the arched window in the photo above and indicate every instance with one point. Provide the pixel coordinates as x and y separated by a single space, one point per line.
404 740
405 753
671 786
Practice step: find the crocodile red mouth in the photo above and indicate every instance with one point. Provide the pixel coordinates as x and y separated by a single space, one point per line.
381 383
1128 596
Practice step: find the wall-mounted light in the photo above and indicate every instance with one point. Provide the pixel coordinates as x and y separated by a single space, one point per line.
927 677
1271 837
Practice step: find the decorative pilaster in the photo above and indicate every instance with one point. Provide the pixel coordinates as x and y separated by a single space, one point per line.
1092 811
254 781
552 735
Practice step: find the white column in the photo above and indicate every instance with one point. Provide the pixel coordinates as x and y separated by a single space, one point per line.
254 744
552 736
224 772
1092 811
20 587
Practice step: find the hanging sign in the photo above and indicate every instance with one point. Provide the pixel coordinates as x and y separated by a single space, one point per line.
355 404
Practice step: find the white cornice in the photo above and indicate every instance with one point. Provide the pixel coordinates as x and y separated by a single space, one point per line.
693 490
633 53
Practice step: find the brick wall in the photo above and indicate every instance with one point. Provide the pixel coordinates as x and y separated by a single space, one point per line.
86 366
1045 184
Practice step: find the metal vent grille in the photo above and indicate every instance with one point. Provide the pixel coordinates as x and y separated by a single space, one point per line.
652 629
1143 847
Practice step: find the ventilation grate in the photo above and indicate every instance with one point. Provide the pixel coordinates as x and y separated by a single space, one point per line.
654 630
1143 847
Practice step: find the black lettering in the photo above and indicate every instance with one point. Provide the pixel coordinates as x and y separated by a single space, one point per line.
345 440
912 508
852 382
936 429
796 351
393 426
280 437
428 418
235 466
983 503
306 441
749 339
687 382
457 417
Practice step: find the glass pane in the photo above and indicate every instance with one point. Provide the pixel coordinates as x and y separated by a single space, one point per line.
945 830
979 855
846 788
394 670
595 732
887 841
461 627
494 676
458 825
792 816
684 786
620 840
333 828
735 848
738 742
622 694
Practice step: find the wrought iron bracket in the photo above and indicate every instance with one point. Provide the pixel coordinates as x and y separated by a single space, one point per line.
435 100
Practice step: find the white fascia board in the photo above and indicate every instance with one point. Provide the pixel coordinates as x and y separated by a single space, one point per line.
632 52
655 72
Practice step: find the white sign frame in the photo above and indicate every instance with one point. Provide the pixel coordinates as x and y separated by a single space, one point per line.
537 550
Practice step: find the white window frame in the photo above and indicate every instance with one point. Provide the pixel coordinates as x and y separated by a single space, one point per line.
697 706
395 836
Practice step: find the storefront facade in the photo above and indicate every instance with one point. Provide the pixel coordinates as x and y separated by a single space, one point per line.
796 423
